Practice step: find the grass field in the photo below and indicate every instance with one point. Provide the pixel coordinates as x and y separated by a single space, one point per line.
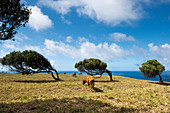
40 93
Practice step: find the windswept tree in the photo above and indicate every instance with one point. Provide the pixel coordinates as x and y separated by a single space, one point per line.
28 62
12 16
151 69
93 67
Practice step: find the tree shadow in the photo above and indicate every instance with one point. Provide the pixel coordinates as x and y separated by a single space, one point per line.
107 81
164 84
97 89
36 81
64 105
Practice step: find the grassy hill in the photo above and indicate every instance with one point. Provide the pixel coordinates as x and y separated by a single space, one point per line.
40 93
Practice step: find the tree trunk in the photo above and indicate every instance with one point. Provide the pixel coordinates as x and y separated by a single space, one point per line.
110 74
54 76
160 78
111 77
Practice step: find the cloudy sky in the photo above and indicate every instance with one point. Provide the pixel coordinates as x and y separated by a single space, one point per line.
122 33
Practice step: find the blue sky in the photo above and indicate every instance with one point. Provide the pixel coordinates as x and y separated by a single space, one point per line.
122 33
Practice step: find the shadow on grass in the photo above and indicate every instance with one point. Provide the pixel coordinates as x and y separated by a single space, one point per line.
36 81
97 89
107 81
65 105
164 84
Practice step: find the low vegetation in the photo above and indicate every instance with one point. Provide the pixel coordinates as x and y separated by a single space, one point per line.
41 93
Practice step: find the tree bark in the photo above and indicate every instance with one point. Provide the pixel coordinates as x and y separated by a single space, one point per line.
110 77
110 74
56 74
53 75
160 78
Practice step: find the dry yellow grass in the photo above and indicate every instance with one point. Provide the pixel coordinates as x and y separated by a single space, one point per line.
40 93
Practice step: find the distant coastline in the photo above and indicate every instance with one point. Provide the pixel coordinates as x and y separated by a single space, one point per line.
131 74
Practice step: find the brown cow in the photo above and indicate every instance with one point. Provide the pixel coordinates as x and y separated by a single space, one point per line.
80 73
74 74
90 81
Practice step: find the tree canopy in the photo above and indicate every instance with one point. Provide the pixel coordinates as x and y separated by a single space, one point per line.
28 62
92 67
12 16
152 68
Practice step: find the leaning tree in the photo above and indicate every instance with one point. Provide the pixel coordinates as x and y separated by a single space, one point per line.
12 16
151 69
28 62
93 67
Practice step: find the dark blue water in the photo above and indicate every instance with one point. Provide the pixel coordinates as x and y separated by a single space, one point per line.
137 75
131 74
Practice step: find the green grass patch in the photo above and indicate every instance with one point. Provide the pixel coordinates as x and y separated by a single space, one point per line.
40 93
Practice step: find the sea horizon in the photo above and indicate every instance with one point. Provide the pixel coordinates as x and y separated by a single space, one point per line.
130 74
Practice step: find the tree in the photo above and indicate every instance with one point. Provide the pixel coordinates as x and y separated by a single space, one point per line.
28 62
151 69
93 67
12 16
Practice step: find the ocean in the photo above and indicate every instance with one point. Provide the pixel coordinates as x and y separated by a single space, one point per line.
131 74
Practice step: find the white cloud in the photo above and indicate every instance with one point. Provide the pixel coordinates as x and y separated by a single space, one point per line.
15 45
38 20
82 39
3 53
34 48
140 51
69 39
10 46
111 12
59 47
61 6
65 20
121 37
162 51
52 62
21 37
87 50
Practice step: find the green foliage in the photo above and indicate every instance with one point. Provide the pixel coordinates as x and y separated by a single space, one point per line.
36 60
27 62
12 16
91 66
152 68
